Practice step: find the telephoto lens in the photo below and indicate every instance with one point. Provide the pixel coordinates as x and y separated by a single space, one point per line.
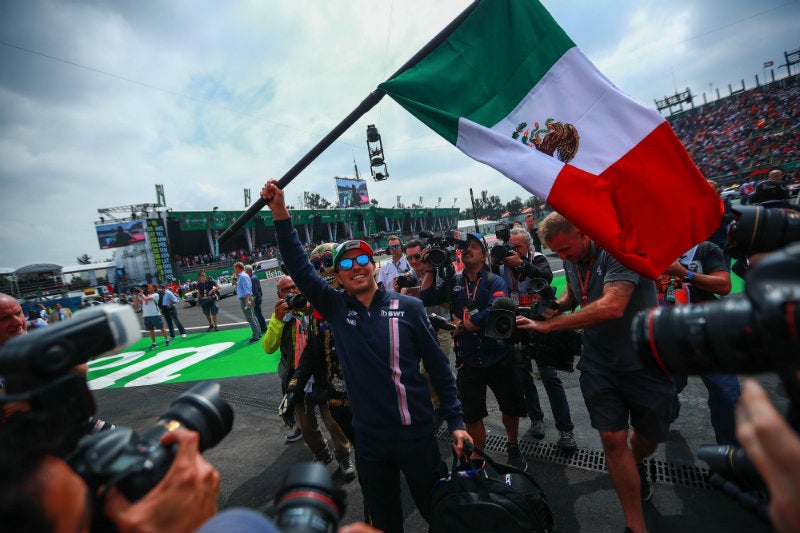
136 464
308 502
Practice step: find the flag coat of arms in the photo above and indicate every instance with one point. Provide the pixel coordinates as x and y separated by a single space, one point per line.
509 88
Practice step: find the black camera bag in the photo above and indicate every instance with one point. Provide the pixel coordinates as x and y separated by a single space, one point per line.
483 496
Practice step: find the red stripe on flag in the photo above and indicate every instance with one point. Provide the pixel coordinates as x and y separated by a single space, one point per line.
647 208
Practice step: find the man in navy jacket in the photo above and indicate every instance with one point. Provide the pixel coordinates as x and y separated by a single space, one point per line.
380 338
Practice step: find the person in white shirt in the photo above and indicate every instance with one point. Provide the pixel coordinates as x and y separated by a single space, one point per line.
151 314
398 265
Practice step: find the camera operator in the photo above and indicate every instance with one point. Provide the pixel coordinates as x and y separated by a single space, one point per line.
774 448
616 386
517 268
397 266
287 330
703 270
480 362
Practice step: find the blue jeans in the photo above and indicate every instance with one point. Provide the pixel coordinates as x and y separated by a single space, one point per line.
555 393
723 393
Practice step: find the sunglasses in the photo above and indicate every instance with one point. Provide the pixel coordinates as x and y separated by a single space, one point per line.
347 264
415 256
289 288
326 261
393 247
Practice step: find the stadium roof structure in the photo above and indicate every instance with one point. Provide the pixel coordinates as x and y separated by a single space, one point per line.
38 268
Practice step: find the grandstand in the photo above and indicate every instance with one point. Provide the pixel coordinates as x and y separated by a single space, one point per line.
745 135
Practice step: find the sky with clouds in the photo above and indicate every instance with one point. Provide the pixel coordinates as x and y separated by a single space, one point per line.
100 101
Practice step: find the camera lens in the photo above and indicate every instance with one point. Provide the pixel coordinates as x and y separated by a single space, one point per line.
308 502
717 337
202 409
296 301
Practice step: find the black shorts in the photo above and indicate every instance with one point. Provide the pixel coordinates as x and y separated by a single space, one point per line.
612 398
501 379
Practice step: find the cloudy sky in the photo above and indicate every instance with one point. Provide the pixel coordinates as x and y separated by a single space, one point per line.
100 101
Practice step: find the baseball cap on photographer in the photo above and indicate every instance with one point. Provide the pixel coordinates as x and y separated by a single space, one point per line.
345 246
478 237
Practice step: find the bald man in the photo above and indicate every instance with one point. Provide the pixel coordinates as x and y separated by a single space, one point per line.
12 319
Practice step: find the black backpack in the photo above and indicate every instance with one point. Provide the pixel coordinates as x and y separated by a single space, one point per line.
483 496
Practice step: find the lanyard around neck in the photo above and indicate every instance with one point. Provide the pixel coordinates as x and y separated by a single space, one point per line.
583 279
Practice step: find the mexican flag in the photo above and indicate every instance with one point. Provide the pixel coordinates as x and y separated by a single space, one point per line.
510 89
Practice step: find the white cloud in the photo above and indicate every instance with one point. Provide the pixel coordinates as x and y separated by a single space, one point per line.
100 101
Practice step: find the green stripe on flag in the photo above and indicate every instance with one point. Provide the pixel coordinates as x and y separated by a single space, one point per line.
484 68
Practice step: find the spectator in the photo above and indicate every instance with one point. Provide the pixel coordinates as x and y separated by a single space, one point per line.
170 312
59 313
244 291
257 298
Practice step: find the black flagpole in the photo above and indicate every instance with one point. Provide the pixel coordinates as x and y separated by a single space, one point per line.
368 103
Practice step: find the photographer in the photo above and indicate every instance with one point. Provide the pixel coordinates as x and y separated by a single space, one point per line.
703 270
287 330
207 290
617 388
397 266
518 267
151 314
480 362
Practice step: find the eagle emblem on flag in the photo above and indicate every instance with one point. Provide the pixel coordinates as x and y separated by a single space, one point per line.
560 140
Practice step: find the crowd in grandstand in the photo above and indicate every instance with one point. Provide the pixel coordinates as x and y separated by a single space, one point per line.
751 130
204 258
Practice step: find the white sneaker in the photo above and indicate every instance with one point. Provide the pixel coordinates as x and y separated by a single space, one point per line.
183 335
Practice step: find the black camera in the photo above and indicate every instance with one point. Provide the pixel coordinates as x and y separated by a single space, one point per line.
308 501
296 302
406 280
759 229
441 250
502 249
754 332
136 464
557 350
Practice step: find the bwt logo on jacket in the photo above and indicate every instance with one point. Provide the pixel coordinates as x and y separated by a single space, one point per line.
392 313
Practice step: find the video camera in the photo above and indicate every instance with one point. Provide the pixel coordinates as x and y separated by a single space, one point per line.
48 403
502 249
442 250
557 350
406 280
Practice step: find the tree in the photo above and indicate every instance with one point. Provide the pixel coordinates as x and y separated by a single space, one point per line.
84 259
315 201
514 206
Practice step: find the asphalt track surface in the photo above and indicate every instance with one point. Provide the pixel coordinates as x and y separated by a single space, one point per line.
254 457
